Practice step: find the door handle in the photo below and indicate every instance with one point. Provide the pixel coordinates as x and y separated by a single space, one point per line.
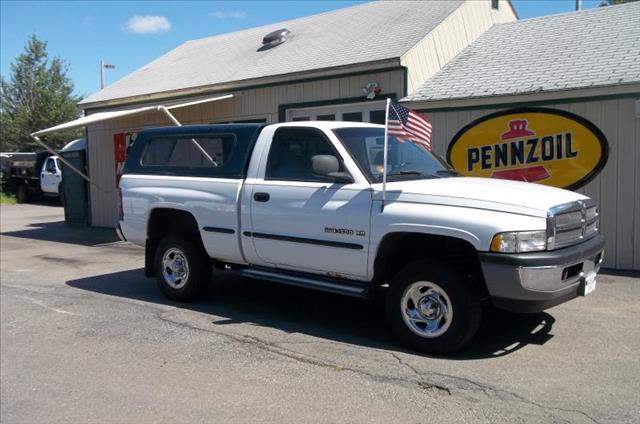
261 197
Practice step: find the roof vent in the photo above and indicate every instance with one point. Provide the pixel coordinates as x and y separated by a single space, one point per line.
274 38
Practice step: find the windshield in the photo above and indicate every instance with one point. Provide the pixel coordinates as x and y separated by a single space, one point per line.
405 160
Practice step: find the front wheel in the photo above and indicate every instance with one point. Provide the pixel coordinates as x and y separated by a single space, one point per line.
182 269
432 308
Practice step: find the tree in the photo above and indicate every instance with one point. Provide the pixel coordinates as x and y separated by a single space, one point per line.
614 2
38 95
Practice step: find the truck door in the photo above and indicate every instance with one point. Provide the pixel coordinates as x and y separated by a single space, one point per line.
304 222
50 176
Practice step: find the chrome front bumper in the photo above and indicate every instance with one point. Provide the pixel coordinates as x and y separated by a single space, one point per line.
531 282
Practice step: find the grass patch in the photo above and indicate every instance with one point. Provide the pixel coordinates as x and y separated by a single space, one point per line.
7 199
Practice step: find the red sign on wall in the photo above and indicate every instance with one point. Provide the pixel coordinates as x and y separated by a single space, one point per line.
121 142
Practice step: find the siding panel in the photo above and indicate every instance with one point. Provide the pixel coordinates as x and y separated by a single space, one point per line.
608 194
449 38
593 112
636 212
626 185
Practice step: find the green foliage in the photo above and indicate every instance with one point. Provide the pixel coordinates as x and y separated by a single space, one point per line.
7 199
614 2
38 95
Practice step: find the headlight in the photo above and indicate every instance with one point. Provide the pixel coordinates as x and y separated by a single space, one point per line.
519 241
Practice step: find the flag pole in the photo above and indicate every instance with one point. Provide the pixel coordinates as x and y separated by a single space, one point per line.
384 165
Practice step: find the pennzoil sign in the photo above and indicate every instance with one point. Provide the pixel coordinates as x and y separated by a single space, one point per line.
546 146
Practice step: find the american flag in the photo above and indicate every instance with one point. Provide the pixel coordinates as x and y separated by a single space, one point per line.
405 124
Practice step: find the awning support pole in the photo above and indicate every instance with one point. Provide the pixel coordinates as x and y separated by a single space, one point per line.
170 116
193 140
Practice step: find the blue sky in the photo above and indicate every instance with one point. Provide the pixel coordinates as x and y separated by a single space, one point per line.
130 34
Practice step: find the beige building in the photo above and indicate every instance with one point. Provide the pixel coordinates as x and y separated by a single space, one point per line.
342 65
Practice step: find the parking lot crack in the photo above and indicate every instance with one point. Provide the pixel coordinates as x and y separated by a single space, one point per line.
422 384
275 349
399 359
488 390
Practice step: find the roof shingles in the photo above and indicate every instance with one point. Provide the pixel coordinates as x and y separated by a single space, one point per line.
598 47
364 33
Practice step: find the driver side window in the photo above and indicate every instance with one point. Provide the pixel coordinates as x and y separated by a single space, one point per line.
50 167
291 153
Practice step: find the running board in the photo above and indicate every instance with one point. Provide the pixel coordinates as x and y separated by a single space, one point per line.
345 287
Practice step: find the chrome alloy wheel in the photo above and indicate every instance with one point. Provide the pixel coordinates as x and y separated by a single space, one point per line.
175 268
426 309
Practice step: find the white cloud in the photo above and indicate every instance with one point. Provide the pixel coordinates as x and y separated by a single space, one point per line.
229 14
148 24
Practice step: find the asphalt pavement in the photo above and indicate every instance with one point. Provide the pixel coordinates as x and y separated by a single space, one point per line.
86 338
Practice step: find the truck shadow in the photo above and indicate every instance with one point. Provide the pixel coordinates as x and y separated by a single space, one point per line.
59 232
50 201
235 300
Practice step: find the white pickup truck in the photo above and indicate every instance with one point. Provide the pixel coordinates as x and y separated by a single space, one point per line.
301 203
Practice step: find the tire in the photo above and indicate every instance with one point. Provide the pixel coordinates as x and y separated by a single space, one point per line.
175 255
444 294
22 193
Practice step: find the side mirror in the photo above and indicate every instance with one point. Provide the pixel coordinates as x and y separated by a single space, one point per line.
328 166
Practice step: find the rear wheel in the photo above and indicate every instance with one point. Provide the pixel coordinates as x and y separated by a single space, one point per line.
432 308
182 269
22 193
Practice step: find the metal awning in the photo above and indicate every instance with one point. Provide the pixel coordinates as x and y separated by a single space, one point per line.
106 116
92 119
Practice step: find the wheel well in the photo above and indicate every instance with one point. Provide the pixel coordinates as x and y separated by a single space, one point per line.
399 249
164 221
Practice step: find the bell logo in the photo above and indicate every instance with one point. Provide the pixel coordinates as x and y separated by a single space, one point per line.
517 128
546 146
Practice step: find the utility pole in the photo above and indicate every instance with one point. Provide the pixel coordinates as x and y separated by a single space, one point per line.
104 66
578 5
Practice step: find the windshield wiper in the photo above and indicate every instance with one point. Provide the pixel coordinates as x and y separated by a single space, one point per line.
447 172
408 172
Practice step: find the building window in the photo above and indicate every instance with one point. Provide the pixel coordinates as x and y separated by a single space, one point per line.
354 112
495 4
243 121
352 116
377 117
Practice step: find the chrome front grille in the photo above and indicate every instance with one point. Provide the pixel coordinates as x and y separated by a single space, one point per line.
572 223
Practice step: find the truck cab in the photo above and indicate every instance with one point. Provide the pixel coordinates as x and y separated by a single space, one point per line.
50 176
302 203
